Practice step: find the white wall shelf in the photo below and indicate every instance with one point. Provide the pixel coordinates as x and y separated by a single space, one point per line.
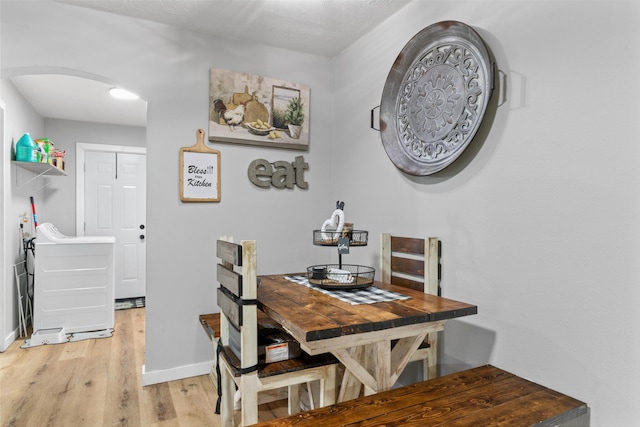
39 169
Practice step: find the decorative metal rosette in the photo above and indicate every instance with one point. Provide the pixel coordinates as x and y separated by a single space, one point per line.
435 97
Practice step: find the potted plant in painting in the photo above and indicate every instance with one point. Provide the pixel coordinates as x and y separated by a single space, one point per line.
294 116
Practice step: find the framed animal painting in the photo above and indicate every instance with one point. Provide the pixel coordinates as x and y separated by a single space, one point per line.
258 110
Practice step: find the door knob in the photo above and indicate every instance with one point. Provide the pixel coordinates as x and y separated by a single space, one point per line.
141 226
142 237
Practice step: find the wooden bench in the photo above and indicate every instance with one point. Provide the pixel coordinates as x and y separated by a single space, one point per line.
482 396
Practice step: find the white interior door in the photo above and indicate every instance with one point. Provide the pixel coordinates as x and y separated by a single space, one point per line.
115 205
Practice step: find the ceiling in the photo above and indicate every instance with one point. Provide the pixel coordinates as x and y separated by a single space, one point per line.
63 97
322 27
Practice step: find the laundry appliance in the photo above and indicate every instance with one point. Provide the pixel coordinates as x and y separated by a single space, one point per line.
73 284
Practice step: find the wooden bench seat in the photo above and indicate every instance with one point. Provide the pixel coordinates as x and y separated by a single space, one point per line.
211 324
482 396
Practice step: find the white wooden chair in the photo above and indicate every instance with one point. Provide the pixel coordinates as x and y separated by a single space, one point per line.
414 263
238 350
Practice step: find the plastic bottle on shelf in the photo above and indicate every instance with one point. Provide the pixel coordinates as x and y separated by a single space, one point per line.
26 149
45 149
49 148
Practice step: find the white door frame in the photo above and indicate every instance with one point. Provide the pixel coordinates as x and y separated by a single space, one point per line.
81 149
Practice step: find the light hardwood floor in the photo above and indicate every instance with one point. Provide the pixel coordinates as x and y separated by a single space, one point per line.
97 382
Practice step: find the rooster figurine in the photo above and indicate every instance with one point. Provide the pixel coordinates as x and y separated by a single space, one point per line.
231 117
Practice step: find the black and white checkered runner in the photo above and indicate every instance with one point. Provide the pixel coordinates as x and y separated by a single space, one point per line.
368 295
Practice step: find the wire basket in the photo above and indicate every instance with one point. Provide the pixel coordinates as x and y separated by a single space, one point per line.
330 238
345 276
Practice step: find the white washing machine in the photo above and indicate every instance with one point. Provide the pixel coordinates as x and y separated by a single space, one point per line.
73 282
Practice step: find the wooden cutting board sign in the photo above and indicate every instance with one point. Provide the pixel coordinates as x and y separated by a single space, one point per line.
199 172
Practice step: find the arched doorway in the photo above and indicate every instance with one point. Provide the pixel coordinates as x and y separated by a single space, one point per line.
62 207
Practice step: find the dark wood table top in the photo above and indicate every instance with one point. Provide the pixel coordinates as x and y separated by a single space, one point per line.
310 315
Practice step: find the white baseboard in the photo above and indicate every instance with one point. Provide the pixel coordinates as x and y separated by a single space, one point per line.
9 339
177 373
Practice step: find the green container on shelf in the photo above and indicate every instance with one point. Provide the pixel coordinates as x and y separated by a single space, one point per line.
26 149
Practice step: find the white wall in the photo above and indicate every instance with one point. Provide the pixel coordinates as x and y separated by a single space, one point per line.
18 186
539 219
59 198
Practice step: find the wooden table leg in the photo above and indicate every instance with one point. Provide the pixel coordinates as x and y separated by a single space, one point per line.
401 355
368 365
350 387
381 366
374 365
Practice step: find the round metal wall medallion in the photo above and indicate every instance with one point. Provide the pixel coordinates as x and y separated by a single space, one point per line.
435 97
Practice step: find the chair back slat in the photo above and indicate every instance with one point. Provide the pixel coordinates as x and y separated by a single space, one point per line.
407 283
413 267
407 245
231 307
230 280
229 252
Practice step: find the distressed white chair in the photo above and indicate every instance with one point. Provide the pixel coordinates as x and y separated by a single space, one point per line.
414 263
238 350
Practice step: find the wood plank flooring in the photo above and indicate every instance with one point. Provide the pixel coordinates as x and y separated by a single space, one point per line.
97 382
